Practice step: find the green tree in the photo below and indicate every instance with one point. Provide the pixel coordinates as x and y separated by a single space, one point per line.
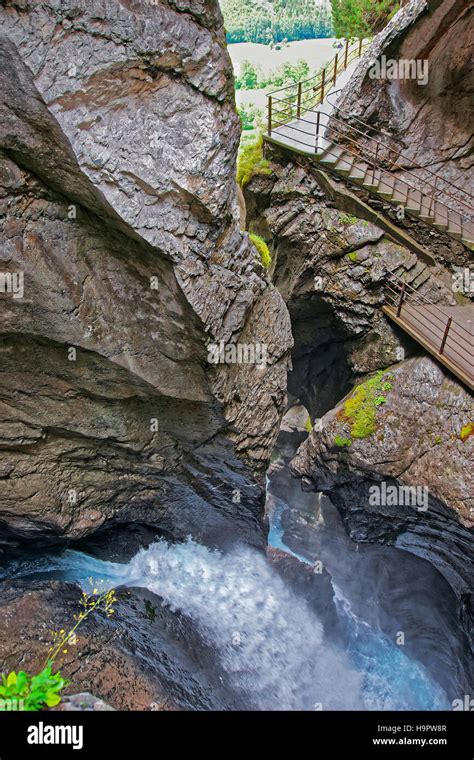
274 21
361 18
248 79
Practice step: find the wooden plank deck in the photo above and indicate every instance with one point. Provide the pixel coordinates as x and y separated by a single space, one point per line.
423 323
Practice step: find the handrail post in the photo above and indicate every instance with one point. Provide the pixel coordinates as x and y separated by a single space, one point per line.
323 83
402 296
360 47
298 104
375 162
335 69
318 114
445 336
346 54
269 114
432 196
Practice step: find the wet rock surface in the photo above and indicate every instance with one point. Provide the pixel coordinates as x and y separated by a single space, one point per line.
144 657
418 443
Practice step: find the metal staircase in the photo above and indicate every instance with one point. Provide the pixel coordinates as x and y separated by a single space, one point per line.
348 147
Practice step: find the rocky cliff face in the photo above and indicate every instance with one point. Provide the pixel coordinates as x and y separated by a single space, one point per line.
329 265
421 440
426 118
330 255
421 122
118 141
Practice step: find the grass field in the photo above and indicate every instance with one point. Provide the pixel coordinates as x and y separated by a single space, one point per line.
315 52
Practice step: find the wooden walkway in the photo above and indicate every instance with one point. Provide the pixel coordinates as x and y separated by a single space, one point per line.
447 332
306 119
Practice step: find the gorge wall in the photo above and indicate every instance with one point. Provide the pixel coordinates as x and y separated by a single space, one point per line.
426 121
118 139
331 251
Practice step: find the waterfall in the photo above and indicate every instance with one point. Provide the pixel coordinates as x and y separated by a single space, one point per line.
267 639
269 644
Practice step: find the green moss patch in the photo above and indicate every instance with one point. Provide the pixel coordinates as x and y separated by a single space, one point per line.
263 250
250 161
340 441
360 410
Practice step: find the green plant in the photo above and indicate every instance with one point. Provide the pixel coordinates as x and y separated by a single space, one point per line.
43 689
250 116
249 77
346 219
341 441
263 249
352 255
33 692
251 161
360 410
466 431
308 425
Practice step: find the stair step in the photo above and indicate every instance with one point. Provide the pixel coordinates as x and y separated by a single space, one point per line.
468 234
441 217
358 171
427 209
414 201
345 163
372 179
331 155
455 224
386 186
400 193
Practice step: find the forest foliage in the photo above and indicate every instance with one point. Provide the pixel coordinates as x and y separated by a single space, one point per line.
276 21
359 19
272 22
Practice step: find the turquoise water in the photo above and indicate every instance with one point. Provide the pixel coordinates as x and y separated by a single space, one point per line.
240 591
391 680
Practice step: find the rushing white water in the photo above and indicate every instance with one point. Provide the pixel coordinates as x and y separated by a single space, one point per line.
269 643
266 638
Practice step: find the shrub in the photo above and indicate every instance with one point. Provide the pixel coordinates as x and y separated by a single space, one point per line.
250 116
251 161
263 250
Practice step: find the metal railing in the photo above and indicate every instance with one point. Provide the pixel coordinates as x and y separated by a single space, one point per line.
396 163
309 128
441 330
308 93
